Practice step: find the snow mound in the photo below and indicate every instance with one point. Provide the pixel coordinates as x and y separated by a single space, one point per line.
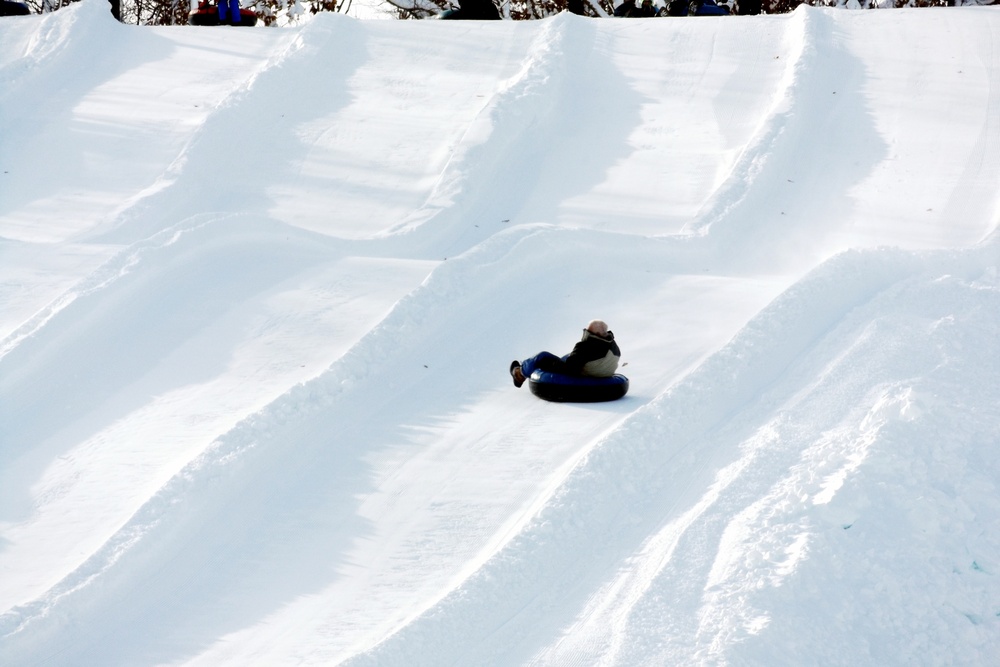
259 290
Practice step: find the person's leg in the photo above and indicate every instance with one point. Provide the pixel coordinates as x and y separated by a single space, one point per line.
234 12
544 361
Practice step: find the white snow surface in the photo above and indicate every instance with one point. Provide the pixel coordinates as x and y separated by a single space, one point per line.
260 288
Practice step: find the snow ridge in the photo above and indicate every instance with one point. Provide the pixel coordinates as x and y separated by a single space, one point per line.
729 417
255 322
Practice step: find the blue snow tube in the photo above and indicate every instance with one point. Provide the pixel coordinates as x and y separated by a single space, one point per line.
577 389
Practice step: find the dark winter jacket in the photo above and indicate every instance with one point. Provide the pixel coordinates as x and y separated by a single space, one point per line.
646 10
10 8
627 9
594 356
473 10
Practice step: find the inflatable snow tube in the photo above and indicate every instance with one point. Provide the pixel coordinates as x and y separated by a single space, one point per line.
209 15
575 389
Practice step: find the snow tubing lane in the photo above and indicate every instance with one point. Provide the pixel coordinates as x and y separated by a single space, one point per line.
574 389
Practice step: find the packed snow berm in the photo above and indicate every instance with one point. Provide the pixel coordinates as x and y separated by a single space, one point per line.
260 288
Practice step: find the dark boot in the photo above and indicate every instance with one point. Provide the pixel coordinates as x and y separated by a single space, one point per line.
515 372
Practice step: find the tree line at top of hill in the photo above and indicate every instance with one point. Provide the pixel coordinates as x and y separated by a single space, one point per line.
284 12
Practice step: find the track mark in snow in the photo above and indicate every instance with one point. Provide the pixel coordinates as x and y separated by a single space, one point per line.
516 139
981 176
774 197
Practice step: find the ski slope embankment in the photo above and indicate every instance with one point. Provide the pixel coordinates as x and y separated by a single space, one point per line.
259 290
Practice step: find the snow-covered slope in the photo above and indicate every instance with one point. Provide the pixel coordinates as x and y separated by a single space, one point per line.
259 290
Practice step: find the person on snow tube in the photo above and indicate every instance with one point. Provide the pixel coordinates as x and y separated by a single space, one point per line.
596 355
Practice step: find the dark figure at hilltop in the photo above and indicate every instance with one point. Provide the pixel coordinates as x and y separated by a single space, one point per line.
627 10
694 8
473 10
646 10
11 8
